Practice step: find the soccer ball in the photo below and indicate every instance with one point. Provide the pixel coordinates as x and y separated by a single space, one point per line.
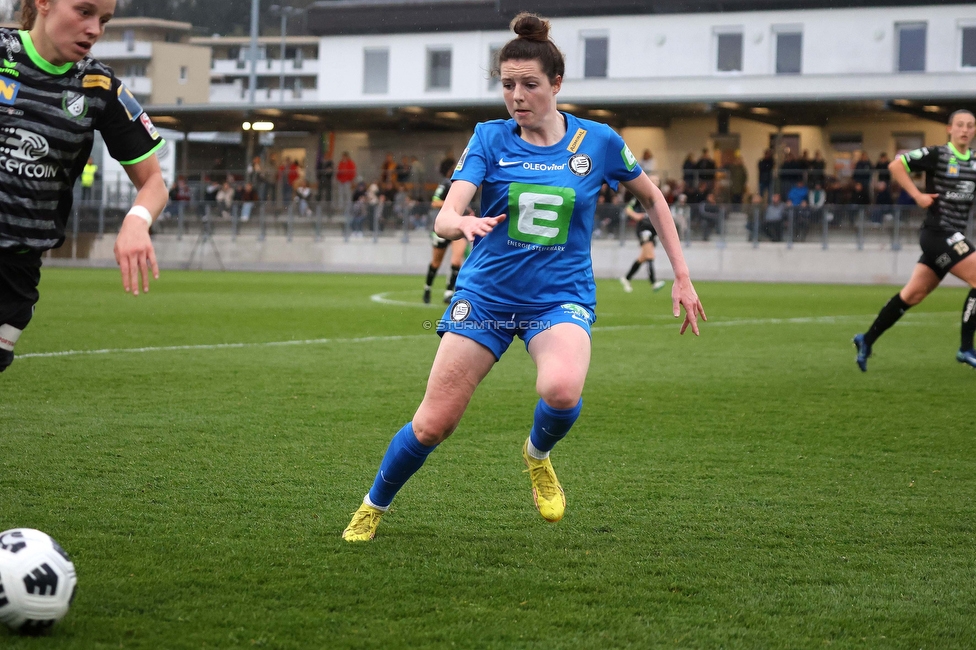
37 580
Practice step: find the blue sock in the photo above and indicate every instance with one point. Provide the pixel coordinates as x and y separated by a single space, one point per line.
403 457
551 425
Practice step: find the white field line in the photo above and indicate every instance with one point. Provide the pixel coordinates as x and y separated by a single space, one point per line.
811 320
383 300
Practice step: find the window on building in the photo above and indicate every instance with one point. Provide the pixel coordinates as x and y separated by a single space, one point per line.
376 71
493 81
729 51
135 70
595 56
298 88
179 101
789 52
438 69
299 57
969 47
184 74
910 42
129 36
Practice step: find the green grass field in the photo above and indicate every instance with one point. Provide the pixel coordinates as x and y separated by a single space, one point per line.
747 489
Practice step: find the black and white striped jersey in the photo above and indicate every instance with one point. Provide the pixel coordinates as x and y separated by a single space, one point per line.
48 116
950 175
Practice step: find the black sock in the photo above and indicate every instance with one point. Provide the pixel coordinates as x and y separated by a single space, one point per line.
968 320
454 274
887 317
650 271
431 272
633 269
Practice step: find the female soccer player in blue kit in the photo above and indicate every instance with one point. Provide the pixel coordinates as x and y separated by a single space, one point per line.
529 273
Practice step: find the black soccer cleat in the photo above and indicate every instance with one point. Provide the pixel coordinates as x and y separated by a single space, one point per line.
6 358
426 295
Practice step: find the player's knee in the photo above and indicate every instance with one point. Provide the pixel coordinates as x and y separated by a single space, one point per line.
432 430
913 296
560 395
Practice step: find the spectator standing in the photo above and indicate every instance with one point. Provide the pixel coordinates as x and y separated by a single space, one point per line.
738 177
706 169
884 176
647 162
225 199
326 172
345 175
88 179
388 169
816 172
446 167
862 170
689 170
710 215
798 193
766 165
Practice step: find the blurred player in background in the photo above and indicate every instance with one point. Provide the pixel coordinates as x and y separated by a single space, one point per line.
440 245
950 184
647 237
54 97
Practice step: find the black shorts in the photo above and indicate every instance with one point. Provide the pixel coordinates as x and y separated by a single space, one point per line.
19 277
943 249
438 242
646 233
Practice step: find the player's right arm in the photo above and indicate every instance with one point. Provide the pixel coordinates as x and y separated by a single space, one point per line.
899 168
451 222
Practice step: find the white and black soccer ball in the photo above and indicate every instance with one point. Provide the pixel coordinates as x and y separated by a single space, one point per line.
37 580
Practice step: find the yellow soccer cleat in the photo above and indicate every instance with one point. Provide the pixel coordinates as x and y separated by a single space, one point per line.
363 526
550 500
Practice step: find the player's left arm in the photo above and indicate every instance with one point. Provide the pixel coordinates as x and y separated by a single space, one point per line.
683 293
133 248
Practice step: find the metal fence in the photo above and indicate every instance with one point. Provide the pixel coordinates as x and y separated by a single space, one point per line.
876 226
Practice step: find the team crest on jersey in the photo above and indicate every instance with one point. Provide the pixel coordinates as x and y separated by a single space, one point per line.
148 125
74 104
129 102
8 91
953 168
460 310
580 164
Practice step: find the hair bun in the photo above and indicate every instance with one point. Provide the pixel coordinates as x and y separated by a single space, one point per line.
530 27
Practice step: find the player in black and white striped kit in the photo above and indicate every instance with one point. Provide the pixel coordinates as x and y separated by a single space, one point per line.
53 96
950 186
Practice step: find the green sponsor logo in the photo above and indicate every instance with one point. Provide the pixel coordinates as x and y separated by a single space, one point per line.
540 214
577 312
8 68
628 157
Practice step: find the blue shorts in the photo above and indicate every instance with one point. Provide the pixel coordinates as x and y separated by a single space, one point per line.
494 326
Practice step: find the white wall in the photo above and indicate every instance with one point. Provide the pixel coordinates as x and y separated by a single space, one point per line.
846 53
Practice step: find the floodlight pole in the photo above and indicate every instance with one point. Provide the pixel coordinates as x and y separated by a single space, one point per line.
284 28
253 77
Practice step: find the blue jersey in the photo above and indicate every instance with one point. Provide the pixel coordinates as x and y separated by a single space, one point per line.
540 255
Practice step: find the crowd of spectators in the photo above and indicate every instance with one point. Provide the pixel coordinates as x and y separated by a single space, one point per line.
797 190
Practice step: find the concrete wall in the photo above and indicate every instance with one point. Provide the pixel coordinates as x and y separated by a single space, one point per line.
164 70
842 263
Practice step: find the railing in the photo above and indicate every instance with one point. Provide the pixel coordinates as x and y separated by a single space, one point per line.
855 226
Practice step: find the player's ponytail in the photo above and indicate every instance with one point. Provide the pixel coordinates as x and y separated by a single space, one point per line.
28 13
532 44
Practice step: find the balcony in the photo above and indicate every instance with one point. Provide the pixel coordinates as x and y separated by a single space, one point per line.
121 50
140 86
266 67
236 92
